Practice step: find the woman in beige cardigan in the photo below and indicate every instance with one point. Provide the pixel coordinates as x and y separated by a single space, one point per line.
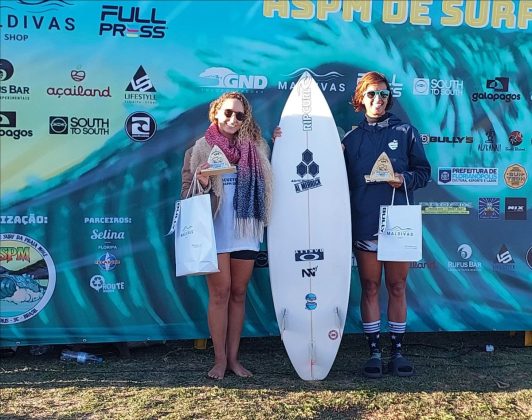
241 208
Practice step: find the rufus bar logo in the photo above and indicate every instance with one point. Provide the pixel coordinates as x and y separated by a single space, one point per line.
131 22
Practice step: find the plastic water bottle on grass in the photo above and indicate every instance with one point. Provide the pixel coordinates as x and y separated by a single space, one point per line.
80 357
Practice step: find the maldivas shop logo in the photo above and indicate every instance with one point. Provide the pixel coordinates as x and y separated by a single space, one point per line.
131 22
31 15
327 82
28 278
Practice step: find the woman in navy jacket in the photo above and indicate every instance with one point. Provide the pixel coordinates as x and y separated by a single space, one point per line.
381 131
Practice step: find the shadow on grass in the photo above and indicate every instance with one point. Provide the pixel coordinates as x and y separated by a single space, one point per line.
443 361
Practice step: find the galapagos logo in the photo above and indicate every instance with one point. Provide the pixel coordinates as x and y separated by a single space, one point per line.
131 22
27 278
499 91
8 126
27 15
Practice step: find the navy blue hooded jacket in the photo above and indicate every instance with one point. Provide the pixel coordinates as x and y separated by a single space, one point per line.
363 145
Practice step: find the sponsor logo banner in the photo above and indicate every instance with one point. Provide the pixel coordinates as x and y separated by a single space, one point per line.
515 176
446 207
468 176
489 208
515 208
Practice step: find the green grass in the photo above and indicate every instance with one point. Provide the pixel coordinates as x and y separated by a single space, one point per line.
455 379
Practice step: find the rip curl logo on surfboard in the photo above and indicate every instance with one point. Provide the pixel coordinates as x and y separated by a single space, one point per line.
308 170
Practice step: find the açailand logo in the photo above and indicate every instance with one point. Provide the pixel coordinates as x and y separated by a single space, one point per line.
27 278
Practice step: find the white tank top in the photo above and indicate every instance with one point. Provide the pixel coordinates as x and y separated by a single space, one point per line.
224 229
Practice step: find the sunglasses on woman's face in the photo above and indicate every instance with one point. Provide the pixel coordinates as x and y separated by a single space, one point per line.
240 116
382 93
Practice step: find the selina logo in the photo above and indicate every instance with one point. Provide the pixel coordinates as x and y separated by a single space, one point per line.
327 82
8 124
225 78
499 91
140 126
131 22
36 19
308 170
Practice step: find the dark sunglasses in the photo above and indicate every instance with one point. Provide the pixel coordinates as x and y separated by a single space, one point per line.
382 93
240 116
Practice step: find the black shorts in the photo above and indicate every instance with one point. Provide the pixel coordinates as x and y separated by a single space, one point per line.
245 254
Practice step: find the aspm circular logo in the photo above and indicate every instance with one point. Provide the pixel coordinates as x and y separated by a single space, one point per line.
140 126
27 279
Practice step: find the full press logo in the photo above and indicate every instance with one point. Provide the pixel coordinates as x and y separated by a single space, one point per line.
515 208
489 208
308 170
78 76
504 260
465 252
395 87
437 87
88 126
11 91
140 126
328 82
140 89
223 78
498 91
34 16
8 124
468 176
429 138
131 22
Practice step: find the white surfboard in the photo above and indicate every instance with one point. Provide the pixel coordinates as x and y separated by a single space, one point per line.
309 237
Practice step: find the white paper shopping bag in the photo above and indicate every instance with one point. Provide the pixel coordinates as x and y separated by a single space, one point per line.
400 232
195 244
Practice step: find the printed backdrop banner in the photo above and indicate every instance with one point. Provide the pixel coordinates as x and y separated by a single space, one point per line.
100 100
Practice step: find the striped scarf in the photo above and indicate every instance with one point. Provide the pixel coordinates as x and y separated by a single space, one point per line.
250 209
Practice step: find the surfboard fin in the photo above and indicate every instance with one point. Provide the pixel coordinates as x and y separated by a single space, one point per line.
339 320
283 322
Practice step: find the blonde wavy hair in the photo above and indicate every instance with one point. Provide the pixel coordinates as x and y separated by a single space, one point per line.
249 129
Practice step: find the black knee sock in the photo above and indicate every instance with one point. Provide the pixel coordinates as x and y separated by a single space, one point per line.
397 332
372 333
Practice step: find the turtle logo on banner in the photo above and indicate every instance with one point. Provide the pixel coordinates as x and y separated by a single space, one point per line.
27 278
